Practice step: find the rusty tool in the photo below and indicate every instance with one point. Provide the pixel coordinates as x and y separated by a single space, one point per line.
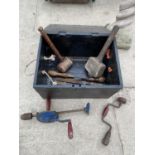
65 62
80 80
120 100
94 65
65 75
53 73
53 116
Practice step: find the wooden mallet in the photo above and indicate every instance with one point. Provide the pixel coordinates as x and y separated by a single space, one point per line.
65 62
94 65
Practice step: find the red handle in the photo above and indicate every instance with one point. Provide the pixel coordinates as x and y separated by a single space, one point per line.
105 112
48 103
70 130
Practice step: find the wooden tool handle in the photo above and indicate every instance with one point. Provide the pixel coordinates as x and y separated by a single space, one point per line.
50 43
98 80
69 80
108 43
57 74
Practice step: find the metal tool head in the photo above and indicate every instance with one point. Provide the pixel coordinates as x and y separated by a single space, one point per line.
87 108
94 67
26 116
64 65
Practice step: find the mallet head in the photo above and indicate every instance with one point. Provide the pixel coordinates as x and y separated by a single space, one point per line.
64 65
94 67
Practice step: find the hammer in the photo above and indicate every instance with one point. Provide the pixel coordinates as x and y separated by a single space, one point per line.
94 65
65 62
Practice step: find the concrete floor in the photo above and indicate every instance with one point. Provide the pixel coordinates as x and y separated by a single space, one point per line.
51 139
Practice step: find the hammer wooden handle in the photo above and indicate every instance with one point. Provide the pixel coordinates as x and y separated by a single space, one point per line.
50 43
108 43
57 74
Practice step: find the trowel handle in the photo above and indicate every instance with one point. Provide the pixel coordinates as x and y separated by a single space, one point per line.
50 43
108 43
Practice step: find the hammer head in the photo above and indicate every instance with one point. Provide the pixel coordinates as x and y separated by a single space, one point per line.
94 67
64 65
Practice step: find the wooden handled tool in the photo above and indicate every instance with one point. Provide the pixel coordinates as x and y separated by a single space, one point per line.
65 62
72 79
79 81
57 74
94 65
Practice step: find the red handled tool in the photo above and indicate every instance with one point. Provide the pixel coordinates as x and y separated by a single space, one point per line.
120 100
53 116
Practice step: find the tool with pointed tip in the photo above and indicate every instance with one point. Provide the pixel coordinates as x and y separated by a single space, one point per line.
52 116
120 100
65 62
94 65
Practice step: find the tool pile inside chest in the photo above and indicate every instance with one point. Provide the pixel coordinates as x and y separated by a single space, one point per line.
76 43
76 62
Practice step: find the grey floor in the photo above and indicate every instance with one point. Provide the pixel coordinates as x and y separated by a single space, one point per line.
51 139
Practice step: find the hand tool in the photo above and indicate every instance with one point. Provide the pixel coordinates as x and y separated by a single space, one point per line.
94 65
51 80
65 62
80 80
75 80
52 116
106 138
53 73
